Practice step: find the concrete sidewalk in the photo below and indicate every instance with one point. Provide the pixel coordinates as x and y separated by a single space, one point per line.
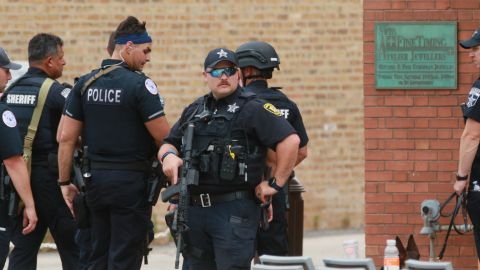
318 245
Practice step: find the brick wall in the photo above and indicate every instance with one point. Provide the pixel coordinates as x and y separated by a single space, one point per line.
319 43
412 136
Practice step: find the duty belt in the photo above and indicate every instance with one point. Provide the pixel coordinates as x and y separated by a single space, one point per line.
207 200
130 166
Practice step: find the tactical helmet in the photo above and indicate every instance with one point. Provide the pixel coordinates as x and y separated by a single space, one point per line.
258 54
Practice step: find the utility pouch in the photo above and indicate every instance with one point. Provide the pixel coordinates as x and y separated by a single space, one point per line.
228 165
82 218
204 164
153 191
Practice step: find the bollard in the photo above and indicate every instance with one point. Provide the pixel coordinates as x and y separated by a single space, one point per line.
295 218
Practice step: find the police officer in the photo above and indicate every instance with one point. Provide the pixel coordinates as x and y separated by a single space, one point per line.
469 155
120 116
11 156
45 56
257 60
223 216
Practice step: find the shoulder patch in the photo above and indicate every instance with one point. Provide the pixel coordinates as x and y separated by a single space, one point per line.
270 108
473 97
65 92
151 87
9 119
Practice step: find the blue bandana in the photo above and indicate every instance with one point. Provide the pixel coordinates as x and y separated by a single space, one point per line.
135 38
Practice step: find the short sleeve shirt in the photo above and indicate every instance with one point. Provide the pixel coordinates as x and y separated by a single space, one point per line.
10 142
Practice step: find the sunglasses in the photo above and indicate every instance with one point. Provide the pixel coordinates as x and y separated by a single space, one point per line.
217 73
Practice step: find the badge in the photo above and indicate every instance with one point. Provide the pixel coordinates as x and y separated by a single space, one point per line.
232 107
9 119
473 97
222 53
151 87
270 108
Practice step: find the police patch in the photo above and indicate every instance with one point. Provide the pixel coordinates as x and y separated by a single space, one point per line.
9 119
151 87
65 92
473 97
270 108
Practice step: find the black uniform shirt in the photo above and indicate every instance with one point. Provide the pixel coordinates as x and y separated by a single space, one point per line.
22 97
472 110
287 107
113 110
10 142
260 125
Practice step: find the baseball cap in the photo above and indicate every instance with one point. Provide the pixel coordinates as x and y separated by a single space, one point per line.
473 41
219 54
5 61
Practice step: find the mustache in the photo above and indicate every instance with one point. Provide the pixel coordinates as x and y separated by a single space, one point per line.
224 83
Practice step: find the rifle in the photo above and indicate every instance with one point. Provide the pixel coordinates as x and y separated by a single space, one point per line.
187 176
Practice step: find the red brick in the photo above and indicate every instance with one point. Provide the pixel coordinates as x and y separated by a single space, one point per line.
400 176
373 15
400 144
445 134
419 4
422 112
444 112
399 134
370 123
402 15
400 112
467 4
399 165
465 15
371 144
378 112
438 166
400 155
378 218
376 4
442 4
420 101
377 198
400 123
398 101
423 155
398 209
445 155
422 144
378 176
421 176
421 166
374 208
399 187
441 187
443 144
443 123
421 187
442 101
374 165
421 123
378 133
371 187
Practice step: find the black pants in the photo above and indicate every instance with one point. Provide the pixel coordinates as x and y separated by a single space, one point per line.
119 219
222 237
473 207
274 241
53 214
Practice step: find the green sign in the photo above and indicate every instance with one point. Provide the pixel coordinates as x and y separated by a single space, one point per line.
416 55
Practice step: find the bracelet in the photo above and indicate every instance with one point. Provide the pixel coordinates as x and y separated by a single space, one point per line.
64 183
170 151
461 178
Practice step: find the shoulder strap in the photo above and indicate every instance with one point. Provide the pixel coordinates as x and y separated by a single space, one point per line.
32 127
97 75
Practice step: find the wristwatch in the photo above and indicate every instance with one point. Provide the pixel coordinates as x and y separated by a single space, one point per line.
64 183
273 183
461 178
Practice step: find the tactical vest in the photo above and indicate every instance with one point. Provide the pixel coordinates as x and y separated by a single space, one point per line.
224 157
24 102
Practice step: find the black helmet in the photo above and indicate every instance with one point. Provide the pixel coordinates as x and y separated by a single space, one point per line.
258 54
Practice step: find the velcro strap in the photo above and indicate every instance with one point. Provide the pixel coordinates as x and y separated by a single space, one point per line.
218 198
131 166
